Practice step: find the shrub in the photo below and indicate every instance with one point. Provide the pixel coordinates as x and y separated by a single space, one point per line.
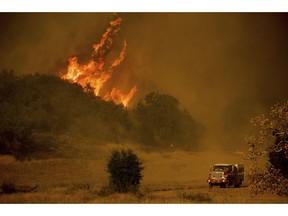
125 169
8 187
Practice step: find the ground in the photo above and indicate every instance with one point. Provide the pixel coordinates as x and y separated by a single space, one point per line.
170 177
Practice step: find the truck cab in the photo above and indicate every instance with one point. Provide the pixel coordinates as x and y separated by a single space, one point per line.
225 175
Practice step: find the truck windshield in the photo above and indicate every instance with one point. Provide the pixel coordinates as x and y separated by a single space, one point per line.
217 174
222 168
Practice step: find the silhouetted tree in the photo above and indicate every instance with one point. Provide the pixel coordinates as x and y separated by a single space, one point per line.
125 170
161 123
270 142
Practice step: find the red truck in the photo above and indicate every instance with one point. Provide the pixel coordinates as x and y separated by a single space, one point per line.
225 175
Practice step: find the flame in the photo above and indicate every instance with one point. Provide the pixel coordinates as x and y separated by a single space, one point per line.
120 58
117 96
106 38
97 72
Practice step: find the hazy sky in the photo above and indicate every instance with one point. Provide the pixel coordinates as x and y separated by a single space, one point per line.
223 67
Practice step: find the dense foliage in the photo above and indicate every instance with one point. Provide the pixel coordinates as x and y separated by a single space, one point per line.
125 170
162 124
270 145
40 113
43 116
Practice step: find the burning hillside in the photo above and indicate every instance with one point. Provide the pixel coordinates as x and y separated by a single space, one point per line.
99 69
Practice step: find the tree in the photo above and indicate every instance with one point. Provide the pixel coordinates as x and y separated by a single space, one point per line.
125 170
269 146
162 124
40 115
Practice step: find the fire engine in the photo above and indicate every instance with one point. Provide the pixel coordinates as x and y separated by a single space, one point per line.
225 175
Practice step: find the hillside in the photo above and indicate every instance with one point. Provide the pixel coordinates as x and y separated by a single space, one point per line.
43 116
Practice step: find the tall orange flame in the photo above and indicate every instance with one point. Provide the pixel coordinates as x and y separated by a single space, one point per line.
96 72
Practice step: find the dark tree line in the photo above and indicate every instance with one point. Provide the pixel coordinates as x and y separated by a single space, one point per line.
42 115
162 124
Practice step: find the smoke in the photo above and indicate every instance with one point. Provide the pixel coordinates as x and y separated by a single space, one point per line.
43 42
224 68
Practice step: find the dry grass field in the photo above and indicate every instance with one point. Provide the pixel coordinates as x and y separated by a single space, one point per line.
171 177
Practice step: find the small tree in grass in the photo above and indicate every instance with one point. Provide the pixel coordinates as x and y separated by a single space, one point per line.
125 170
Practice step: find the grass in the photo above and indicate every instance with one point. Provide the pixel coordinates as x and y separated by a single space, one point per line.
198 197
175 177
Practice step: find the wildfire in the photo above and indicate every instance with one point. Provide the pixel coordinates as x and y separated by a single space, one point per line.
98 71
119 98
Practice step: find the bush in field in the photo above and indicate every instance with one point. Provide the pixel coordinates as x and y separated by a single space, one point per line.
8 187
270 145
125 170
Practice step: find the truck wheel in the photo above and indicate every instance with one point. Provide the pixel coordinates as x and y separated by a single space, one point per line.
210 185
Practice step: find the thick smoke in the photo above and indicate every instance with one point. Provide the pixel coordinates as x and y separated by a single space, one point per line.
43 42
224 68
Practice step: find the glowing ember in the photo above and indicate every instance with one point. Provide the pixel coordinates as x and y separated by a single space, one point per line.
96 72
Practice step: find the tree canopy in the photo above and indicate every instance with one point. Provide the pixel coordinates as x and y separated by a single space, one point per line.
42 113
125 169
163 124
270 144
43 116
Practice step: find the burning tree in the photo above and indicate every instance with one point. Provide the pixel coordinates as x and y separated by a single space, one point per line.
43 116
270 145
99 70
